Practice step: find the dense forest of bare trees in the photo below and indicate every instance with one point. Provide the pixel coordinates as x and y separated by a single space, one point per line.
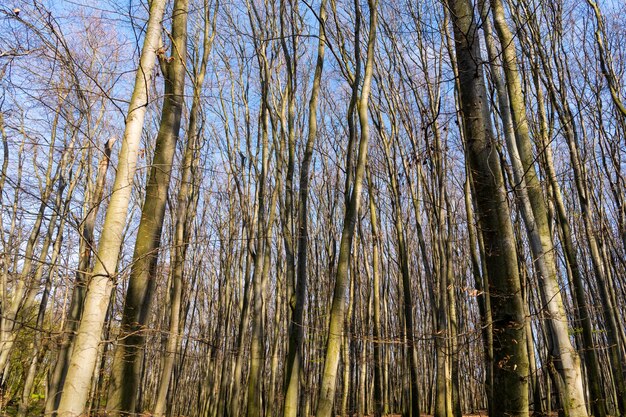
267 208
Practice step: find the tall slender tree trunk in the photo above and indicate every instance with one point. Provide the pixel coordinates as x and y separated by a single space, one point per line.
403 255
257 348
126 368
455 389
184 217
346 356
560 103
510 352
85 350
244 321
482 287
534 211
293 367
378 359
87 243
597 399
337 312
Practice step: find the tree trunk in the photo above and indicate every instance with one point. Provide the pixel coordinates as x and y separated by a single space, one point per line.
92 207
184 217
85 350
534 212
126 368
378 359
337 312
510 352
293 367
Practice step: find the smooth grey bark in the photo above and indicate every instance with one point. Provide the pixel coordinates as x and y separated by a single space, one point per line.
187 192
262 232
597 400
126 367
87 243
293 368
559 101
481 281
85 350
353 198
534 213
510 352
379 405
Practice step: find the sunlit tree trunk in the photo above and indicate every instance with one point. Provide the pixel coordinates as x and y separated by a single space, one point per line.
379 405
406 278
353 194
126 368
263 229
534 211
84 354
293 367
92 206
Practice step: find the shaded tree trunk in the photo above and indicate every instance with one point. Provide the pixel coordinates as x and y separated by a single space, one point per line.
510 353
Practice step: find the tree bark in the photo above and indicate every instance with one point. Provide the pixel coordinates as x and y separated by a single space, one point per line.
337 312
510 352
184 216
85 350
293 367
534 212
126 368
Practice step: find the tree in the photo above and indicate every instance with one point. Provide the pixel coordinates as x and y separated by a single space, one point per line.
353 198
240 273
509 345
84 353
